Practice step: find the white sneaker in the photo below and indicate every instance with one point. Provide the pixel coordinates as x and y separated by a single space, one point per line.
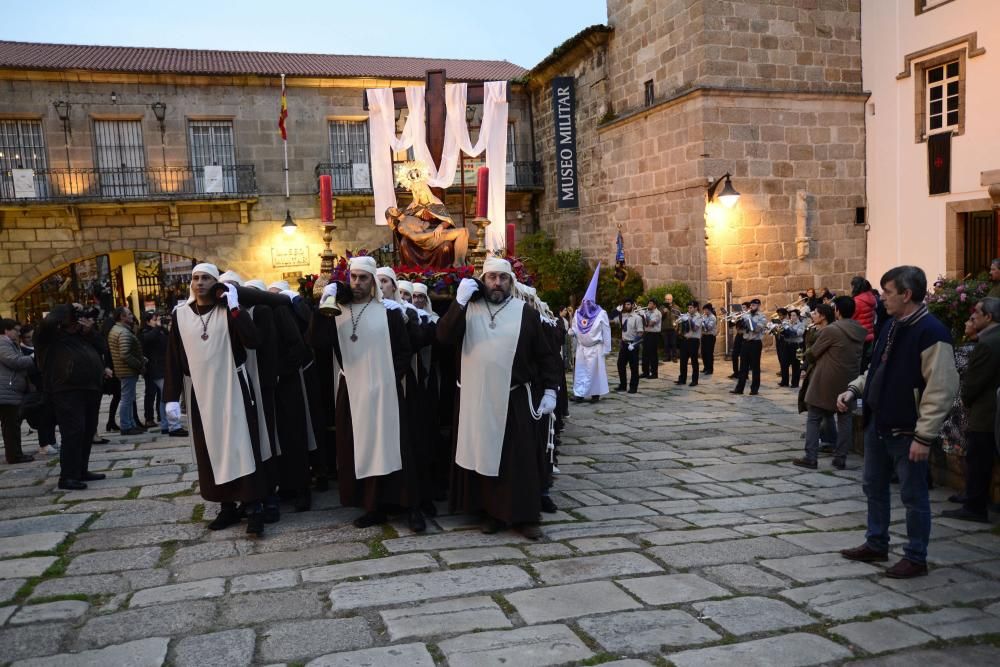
49 450
555 470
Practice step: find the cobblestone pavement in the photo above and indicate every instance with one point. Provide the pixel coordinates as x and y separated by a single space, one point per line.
684 537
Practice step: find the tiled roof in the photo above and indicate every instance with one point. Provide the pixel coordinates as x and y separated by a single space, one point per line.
142 60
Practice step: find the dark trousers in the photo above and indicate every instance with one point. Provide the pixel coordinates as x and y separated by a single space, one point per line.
628 359
115 387
77 413
737 351
689 353
669 344
10 423
151 401
708 354
650 358
750 363
790 362
978 470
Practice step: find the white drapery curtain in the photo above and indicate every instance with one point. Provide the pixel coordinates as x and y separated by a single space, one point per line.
492 139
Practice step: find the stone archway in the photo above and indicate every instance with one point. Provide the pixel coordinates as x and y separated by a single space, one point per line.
17 287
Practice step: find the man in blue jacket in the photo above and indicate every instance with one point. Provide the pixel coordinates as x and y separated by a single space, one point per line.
907 391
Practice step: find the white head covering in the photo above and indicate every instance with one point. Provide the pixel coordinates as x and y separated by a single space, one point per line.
367 264
204 267
498 265
231 276
256 284
405 286
281 285
391 275
421 288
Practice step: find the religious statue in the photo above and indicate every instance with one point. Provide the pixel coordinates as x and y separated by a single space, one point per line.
424 231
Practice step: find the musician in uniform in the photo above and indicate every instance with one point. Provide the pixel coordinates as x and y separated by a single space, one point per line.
754 325
690 331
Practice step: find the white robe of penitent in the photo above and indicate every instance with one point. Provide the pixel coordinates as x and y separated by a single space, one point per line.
590 376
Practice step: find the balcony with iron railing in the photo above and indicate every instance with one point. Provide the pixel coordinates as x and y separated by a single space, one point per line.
71 186
352 178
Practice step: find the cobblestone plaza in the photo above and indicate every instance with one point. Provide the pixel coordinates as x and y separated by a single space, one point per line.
684 536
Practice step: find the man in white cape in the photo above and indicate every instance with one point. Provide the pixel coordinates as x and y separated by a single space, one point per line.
592 331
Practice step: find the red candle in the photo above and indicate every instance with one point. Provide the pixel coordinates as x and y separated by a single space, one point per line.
482 191
326 197
511 235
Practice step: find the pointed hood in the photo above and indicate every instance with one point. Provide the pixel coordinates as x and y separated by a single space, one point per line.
589 310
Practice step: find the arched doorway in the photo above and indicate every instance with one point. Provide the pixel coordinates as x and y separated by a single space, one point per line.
140 279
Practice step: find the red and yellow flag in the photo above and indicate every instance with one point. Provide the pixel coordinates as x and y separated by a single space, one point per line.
284 111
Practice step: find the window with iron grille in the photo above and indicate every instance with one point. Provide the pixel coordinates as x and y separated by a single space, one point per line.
121 158
21 147
648 90
943 97
212 145
349 154
511 145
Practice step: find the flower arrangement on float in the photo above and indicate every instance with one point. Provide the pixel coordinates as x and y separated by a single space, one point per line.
952 301
441 281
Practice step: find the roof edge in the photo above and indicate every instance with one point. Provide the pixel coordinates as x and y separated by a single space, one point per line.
570 51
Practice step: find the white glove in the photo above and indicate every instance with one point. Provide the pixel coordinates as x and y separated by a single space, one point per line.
425 317
330 290
548 404
173 411
391 305
631 347
466 289
291 294
232 299
618 308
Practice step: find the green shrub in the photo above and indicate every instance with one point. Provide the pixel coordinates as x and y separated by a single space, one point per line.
610 295
561 276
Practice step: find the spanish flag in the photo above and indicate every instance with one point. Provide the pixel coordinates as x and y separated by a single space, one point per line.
284 111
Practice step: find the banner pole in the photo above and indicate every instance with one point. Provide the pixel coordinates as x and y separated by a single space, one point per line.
284 141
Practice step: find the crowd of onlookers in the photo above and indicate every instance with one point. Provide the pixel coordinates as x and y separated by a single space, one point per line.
41 366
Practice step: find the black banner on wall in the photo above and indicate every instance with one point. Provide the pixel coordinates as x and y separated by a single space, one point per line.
563 112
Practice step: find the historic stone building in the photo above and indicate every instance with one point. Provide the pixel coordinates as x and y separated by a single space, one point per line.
672 93
117 203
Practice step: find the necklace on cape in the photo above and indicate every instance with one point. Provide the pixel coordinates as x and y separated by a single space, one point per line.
493 316
355 323
204 322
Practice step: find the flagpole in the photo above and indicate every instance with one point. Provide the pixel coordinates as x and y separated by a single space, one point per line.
284 142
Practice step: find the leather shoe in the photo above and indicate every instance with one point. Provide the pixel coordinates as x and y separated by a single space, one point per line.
548 505
530 530
804 463
490 526
93 476
226 517
369 519
179 433
23 458
417 523
134 431
957 498
734 391
753 392
255 523
906 569
72 485
839 463
693 384
865 554
618 389
680 382
965 514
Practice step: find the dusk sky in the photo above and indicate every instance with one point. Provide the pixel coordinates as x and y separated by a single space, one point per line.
521 31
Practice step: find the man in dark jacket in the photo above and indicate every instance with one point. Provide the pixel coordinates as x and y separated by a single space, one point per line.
908 390
73 373
154 347
979 391
837 358
126 355
14 367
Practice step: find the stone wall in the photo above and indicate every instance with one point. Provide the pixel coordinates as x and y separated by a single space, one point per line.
793 143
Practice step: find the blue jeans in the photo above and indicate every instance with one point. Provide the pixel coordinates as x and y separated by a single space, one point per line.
816 424
126 408
885 454
167 425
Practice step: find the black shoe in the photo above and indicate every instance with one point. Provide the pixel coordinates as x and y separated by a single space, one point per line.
680 382
794 386
804 463
735 391
693 384
23 458
965 514
906 569
226 517
548 505
618 389
864 554
416 521
753 392
369 519
632 391
134 431
72 485
255 523
93 476
101 441
111 427
644 376
179 433
429 508
782 384
272 513
839 463
826 449
577 399
958 498
734 376
594 399
490 526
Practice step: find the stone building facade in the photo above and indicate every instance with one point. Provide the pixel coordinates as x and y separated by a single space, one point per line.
673 93
141 190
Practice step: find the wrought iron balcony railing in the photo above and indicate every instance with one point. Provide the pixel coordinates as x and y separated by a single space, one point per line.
350 178
126 184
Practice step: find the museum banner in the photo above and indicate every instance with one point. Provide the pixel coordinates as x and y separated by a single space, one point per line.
563 112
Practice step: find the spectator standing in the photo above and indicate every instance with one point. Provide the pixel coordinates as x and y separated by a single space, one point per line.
69 356
14 367
865 308
978 390
995 278
39 415
154 346
907 392
126 355
152 408
652 319
835 360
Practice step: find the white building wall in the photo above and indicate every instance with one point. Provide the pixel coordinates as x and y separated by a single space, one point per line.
907 226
